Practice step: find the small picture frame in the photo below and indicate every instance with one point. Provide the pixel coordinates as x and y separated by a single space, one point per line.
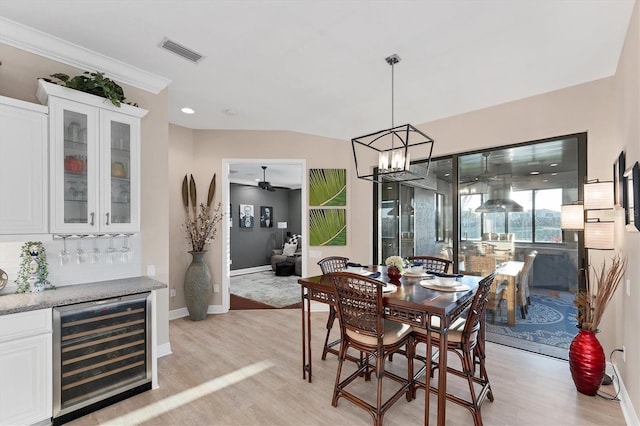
632 207
246 216
266 217
619 187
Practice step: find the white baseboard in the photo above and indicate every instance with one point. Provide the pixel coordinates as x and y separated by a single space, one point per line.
249 270
164 350
178 313
629 412
183 312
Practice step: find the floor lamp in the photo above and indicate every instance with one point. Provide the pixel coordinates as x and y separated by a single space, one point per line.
282 226
598 235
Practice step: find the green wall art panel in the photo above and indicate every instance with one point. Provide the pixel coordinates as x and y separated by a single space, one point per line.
327 227
327 187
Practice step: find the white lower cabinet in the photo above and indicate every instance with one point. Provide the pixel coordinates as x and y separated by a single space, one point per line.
26 376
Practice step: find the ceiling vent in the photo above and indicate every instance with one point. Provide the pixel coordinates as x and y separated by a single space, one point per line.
180 50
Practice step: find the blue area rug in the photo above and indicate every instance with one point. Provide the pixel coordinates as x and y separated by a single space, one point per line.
550 320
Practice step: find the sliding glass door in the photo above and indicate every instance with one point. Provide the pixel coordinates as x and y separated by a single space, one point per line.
416 219
490 209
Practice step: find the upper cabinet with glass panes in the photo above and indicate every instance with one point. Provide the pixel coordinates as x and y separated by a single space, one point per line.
94 162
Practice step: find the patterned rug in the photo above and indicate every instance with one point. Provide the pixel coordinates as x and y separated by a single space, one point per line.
550 321
266 288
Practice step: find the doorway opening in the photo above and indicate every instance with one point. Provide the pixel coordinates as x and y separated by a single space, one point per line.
265 200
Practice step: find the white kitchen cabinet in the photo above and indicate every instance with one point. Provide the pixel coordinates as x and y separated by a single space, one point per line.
26 368
23 167
94 162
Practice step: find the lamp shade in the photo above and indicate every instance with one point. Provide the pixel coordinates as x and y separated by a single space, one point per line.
572 217
599 235
282 225
598 195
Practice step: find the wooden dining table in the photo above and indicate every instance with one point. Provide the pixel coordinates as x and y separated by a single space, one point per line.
411 303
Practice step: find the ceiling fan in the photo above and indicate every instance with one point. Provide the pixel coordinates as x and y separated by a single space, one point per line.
264 184
485 176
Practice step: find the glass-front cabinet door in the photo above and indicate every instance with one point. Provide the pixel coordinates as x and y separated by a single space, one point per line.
74 167
120 152
94 162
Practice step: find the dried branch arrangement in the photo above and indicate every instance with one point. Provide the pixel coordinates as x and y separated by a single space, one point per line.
200 226
592 302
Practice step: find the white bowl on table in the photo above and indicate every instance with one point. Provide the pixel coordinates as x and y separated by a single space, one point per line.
446 281
417 269
354 269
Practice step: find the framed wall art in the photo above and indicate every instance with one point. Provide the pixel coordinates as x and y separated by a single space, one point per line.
246 216
632 207
619 187
266 217
327 227
327 187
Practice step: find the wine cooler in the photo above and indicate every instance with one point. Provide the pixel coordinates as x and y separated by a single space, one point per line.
101 354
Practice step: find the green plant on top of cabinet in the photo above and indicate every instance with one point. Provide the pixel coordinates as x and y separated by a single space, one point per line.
94 162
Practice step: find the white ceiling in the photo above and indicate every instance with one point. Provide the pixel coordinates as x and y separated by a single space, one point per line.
318 67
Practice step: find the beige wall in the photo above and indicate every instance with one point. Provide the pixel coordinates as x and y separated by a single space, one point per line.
182 157
210 147
627 114
18 79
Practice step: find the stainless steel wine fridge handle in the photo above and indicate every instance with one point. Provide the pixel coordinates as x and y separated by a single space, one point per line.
92 214
107 218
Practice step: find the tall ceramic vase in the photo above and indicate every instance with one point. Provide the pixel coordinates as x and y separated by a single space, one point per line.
586 362
197 286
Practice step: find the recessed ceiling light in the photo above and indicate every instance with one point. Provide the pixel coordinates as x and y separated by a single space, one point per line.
188 110
553 164
554 174
535 172
446 174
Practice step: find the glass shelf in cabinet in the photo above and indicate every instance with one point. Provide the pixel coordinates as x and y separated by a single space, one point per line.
120 151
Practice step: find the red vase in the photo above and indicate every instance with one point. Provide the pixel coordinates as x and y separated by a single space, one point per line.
586 362
393 273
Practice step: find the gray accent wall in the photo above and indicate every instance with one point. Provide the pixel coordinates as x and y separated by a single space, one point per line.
251 247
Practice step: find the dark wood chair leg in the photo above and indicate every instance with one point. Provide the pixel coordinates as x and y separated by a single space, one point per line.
330 321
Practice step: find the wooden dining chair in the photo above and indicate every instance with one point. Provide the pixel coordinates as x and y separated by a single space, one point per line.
522 289
327 265
363 327
498 291
466 340
435 264
480 265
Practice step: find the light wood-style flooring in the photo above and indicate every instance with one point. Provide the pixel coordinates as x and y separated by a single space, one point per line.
244 368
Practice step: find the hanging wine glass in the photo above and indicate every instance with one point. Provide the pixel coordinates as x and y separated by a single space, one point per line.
81 254
110 252
64 255
125 251
95 253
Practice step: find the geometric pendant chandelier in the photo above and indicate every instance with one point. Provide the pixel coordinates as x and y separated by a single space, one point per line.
386 155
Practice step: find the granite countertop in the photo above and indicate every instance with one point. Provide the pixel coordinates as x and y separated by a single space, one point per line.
68 295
